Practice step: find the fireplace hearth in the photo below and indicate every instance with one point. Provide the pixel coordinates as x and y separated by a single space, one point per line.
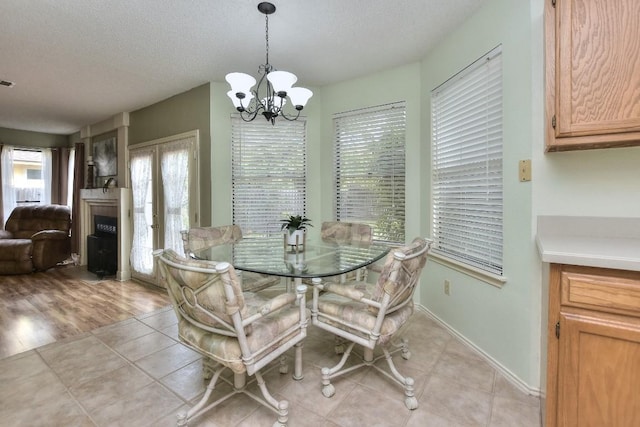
102 246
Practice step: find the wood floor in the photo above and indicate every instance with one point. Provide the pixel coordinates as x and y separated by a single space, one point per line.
40 308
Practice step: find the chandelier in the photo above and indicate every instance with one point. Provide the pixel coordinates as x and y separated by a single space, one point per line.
268 101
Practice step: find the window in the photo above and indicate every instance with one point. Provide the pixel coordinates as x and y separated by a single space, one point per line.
370 169
467 165
26 177
34 174
269 169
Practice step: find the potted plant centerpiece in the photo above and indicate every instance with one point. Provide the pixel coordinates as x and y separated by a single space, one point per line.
296 226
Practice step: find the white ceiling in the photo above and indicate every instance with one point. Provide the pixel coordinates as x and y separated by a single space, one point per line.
78 62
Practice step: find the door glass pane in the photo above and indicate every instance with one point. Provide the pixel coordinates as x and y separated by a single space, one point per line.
142 184
174 165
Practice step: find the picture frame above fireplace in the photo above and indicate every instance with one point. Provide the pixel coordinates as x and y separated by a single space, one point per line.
105 157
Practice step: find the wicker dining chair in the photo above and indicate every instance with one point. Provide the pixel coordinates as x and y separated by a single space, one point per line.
371 314
232 329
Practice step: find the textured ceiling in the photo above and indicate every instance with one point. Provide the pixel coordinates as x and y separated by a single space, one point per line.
78 62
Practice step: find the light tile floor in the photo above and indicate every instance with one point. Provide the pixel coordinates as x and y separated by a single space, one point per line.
136 373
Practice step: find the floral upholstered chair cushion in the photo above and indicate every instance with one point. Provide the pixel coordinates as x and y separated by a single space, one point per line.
198 238
351 232
241 331
346 231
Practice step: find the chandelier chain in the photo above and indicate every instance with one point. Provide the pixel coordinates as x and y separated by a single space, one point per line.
266 37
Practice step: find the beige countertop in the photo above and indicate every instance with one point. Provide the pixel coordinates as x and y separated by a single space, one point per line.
590 241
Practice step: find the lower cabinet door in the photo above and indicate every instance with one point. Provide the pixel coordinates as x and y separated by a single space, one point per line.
599 370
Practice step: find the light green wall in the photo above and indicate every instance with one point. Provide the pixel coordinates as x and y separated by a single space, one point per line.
181 113
24 138
500 321
221 110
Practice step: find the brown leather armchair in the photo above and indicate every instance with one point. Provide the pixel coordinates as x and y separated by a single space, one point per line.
35 237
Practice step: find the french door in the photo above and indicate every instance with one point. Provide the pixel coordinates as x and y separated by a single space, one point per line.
165 198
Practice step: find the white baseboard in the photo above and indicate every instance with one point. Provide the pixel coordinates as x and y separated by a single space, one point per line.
510 376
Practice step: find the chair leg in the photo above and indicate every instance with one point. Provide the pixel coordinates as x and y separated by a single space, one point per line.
338 345
328 389
208 368
281 407
408 383
284 367
184 417
297 368
405 353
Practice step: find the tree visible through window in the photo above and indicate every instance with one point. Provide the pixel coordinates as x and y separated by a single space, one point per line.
370 169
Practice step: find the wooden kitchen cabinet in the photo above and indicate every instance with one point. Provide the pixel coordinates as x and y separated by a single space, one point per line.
593 359
592 57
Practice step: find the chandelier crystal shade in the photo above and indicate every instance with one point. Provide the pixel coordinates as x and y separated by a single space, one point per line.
268 100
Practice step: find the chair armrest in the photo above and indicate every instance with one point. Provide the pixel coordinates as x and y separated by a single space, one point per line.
4 234
274 304
50 235
350 291
376 267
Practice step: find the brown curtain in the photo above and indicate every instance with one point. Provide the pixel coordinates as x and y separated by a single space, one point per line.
59 175
78 183
1 198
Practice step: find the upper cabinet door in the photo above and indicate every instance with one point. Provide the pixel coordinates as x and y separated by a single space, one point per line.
592 73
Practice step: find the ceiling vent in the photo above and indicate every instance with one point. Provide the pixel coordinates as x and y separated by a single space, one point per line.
7 83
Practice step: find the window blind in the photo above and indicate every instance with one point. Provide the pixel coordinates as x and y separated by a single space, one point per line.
268 167
467 165
369 159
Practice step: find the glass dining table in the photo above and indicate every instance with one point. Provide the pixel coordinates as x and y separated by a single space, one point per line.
316 258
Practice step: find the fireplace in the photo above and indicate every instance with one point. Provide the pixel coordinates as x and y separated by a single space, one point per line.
116 203
102 246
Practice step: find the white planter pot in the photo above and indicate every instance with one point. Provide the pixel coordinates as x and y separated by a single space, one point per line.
296 238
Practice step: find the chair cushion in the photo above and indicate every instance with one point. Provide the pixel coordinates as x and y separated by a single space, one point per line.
198 238
15 256
387 285
345 232
355 313
25 221
226 349
210 295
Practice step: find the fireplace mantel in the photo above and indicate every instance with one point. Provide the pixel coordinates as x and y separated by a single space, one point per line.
120 199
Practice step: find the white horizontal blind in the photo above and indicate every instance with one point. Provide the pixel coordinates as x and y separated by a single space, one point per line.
268 173
369 161
467 165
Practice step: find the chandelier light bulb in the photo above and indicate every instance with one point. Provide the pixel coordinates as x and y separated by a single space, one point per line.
281 82
240 104
240 83
299 96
